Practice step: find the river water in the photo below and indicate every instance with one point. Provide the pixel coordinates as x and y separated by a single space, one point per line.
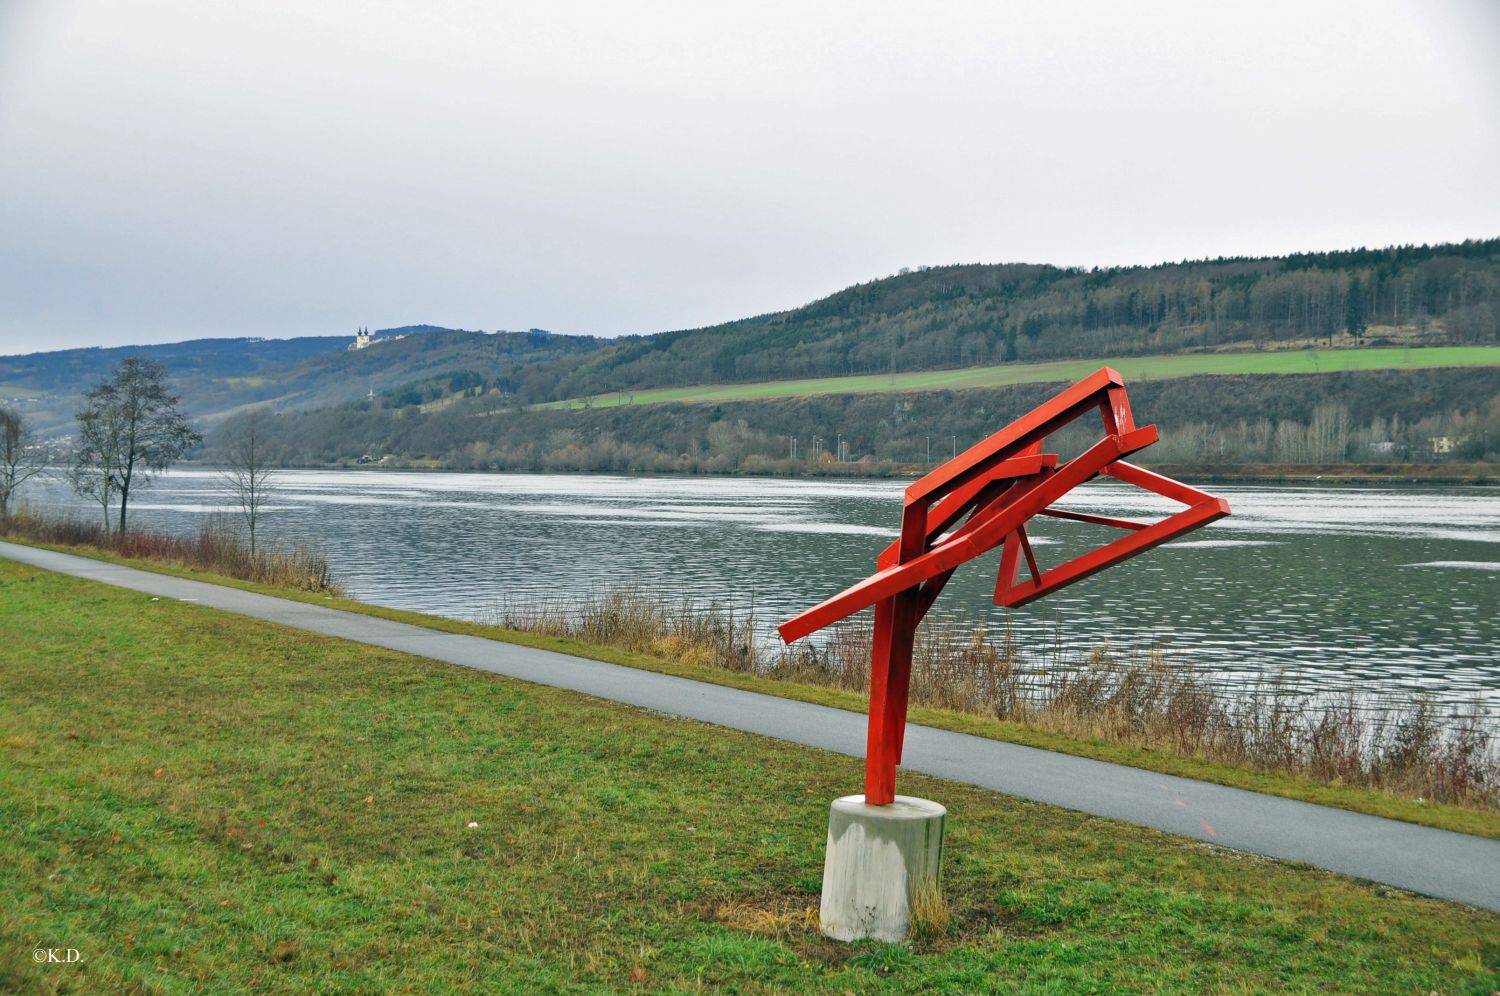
1379 589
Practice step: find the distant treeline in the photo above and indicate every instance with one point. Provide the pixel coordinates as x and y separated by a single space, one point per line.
959 316
1419 416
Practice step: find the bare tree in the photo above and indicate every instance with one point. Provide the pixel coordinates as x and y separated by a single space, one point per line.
247 480
94 471
20 457
129 429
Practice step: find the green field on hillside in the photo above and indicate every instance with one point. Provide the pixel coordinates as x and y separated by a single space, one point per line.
1304 361
193 800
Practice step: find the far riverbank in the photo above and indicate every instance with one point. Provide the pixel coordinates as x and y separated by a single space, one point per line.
1479 474
1392 473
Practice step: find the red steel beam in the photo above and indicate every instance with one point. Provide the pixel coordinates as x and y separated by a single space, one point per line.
1024 431
1098 520
1113 553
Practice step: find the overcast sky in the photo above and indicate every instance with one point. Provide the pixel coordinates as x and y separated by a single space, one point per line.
180 168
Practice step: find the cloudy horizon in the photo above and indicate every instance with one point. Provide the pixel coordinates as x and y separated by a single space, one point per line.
173 170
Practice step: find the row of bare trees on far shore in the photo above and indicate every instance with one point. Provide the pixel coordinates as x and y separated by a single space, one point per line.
130 429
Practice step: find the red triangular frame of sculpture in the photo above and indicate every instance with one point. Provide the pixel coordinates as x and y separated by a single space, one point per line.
980 500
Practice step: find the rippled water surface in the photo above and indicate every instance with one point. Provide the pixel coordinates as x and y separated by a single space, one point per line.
1379 588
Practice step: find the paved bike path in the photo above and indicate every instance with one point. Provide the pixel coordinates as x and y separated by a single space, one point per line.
1421 859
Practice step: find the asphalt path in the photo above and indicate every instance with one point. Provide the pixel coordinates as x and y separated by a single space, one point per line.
1438 863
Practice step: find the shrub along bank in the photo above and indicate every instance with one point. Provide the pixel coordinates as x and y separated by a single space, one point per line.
217 548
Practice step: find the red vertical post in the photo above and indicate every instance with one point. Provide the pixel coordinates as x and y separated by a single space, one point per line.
908 614
890 687
880 753
896 621
1116 411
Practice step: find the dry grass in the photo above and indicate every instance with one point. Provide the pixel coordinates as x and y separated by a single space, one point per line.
707 635
1412 747
216 548
930 915
775 916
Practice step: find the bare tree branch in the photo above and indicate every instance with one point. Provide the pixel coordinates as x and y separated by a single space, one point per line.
21 457
129 429
247 480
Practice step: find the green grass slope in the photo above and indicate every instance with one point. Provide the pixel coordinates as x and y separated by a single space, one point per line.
1306 361
195 801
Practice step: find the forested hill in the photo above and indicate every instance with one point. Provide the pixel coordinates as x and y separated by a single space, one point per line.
959 316
66 369
217 377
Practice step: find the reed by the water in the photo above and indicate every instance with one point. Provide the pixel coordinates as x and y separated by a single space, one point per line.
217 548
1140 697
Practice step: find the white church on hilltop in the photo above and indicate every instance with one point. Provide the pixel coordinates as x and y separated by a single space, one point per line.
363 338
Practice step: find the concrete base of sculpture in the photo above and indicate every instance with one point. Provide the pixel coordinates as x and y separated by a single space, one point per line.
880 860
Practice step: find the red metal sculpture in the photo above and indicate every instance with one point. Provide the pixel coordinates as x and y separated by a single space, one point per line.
994 489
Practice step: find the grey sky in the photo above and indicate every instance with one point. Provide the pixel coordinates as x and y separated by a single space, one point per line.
180 168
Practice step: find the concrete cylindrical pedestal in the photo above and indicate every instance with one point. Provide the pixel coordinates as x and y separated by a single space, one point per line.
879 859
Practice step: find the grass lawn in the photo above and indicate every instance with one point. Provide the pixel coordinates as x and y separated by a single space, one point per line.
1302 361
194 800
